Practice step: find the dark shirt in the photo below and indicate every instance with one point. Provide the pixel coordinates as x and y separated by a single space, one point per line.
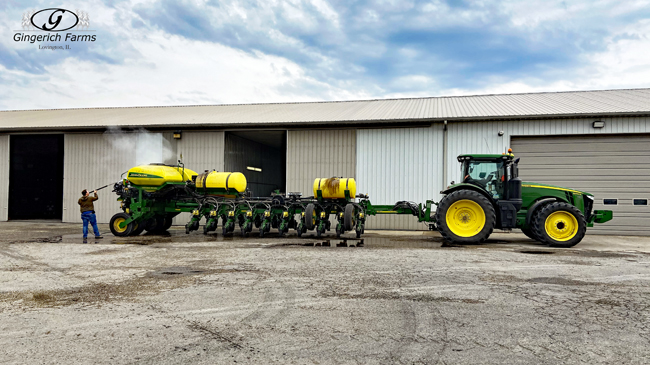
86 203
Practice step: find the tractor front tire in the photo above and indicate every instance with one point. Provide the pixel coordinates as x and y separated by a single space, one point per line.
115 225
559 225
465 217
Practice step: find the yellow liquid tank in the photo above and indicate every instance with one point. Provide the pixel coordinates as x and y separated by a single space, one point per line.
156 175
222 180
334 188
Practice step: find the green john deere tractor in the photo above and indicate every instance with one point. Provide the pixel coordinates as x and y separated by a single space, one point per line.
492 195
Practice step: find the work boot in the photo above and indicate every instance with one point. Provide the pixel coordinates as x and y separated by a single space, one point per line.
98 237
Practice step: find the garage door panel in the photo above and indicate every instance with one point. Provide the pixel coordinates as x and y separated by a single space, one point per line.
551 152
555 149
629 231
610 167
579 160
631 181
630 215
589 172
612 138
621 203
605 185
615 193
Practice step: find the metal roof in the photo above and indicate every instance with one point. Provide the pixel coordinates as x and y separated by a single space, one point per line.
431 109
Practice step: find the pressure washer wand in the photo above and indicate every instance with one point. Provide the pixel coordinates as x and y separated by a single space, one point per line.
105 186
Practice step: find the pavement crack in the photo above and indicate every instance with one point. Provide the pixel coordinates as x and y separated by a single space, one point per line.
196 326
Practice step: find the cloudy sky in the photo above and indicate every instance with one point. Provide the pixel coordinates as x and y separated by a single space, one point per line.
176 52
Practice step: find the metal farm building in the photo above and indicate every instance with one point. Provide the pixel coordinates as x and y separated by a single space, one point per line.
402 149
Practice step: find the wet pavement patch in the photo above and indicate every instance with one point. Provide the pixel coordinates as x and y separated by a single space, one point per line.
557 281
380 295
97 293
537 252
609 302
175 271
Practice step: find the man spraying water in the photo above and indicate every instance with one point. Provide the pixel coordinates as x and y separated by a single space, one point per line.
88 212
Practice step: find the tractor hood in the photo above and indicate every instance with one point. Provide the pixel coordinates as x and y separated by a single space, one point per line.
551 187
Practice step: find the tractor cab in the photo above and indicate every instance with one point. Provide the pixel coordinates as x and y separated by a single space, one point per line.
492 173
497 177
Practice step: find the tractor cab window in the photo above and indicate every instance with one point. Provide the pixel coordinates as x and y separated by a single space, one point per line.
485 174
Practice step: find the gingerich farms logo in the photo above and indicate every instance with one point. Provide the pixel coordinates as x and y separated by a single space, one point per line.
49 25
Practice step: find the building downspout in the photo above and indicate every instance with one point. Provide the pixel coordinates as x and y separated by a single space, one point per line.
444 156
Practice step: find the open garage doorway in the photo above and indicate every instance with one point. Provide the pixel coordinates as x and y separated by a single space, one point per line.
36 176
261 156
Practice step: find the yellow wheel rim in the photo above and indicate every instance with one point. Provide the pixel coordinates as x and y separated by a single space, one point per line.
116 225
465 218
561 226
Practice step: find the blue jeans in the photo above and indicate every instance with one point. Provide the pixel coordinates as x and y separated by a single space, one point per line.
90 217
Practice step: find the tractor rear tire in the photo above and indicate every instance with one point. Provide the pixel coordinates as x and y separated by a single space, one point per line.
309 216
559 225
115 225
465 217
529 233
348 218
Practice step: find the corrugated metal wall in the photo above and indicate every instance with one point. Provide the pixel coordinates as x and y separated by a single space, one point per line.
4 181
319 153
482 137
399 164
201 150
92 160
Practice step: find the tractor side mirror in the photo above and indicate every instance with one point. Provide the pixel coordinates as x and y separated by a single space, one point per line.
517 160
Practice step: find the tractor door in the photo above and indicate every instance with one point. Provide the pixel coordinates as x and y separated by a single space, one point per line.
511 200
489 175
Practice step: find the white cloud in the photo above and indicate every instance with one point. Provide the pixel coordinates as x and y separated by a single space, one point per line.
328 53
174 71
624 63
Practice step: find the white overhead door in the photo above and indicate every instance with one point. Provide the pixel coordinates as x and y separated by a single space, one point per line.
399 164
615 168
